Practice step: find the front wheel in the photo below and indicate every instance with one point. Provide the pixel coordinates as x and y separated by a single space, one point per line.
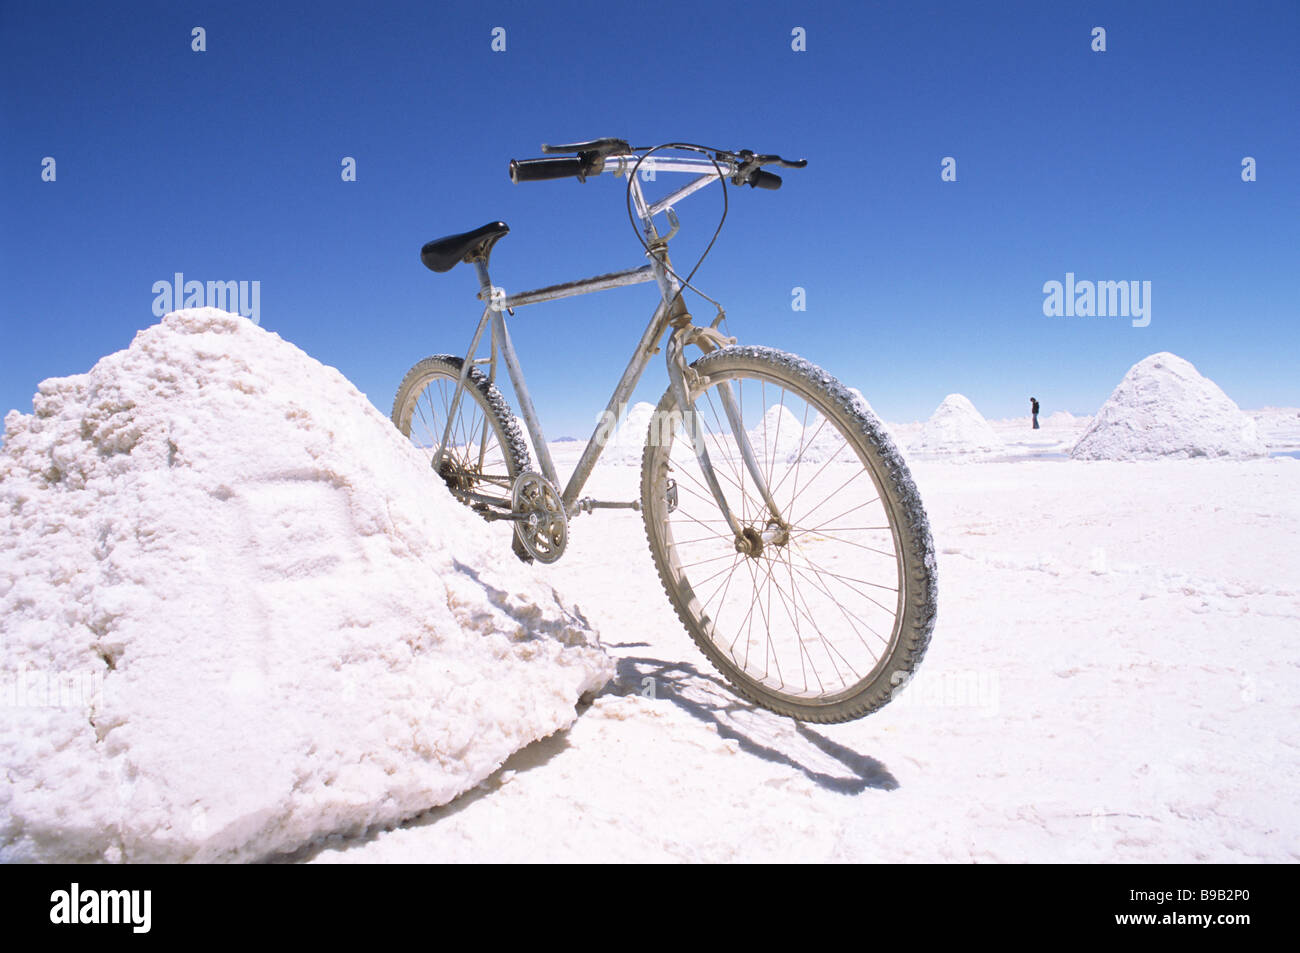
823 604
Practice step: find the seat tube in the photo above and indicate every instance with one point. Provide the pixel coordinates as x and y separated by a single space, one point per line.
525 401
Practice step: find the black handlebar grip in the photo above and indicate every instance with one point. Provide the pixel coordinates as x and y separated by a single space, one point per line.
535 170
758 179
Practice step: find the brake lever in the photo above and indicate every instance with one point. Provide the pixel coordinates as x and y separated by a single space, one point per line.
591 154
777 160
747 163
595 147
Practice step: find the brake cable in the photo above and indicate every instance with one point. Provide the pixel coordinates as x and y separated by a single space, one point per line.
684 282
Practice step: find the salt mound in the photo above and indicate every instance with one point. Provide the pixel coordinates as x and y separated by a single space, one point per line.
1063 418
956 427
235 614
1164 408
626 447
778 435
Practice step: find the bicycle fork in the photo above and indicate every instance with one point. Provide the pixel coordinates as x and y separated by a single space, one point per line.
748 539
681 378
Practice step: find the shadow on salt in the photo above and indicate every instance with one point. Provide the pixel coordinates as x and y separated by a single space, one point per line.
706 697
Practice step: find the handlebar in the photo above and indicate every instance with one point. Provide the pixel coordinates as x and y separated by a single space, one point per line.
535 170
593 158
759 179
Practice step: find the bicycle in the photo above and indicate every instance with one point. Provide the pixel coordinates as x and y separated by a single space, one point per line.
810 588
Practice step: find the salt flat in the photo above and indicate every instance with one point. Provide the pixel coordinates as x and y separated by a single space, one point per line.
1113 677
299 642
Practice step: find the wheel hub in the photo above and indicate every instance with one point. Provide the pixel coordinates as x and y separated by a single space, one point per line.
753 540
458 480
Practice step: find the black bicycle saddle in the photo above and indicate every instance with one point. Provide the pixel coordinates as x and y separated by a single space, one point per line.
443 254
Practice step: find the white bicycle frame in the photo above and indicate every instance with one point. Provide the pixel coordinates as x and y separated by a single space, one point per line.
671 311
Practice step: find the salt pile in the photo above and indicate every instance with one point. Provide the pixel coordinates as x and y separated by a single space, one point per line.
956 427
1279 427
236 616
628 442
1063 418
1164 408
778 435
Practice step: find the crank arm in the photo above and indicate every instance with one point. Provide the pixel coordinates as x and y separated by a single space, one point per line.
492 517
475 500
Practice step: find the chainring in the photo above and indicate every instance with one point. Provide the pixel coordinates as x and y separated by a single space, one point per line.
544 528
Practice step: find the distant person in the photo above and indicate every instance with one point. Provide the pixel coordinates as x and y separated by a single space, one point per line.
1033 410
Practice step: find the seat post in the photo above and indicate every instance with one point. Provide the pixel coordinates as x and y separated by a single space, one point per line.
484 281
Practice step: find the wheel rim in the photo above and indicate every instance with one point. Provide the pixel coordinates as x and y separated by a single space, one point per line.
806 604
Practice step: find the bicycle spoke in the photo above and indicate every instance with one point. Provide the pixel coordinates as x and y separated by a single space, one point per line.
805 657
701 562
799 603
826 589
832 493
820 587
474 462
846 542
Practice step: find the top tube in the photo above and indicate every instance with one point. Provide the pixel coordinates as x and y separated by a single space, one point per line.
624 164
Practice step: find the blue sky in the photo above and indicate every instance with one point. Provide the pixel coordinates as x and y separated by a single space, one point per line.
225 165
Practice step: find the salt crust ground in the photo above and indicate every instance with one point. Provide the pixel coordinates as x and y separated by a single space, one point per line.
275 631
1113 678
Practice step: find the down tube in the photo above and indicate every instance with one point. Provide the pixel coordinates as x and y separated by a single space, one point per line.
626 384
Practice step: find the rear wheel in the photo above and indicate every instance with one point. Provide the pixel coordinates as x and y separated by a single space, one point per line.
486 450
824 603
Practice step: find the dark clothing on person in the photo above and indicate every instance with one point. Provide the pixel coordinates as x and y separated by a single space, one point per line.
1033 408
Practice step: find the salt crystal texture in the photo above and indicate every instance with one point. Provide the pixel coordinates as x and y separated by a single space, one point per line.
1164 408
956 427
270 624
